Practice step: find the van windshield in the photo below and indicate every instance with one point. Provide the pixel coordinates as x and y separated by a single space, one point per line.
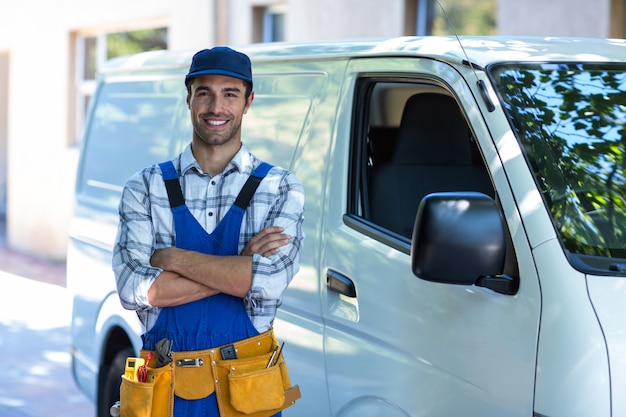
570 120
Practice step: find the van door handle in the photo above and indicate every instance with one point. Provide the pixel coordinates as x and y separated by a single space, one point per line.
340 283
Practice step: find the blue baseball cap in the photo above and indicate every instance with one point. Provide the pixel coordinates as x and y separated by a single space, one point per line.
220 60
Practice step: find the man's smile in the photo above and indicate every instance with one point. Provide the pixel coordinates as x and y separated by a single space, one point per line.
216 122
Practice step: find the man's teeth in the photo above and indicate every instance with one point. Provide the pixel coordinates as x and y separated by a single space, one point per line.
217 122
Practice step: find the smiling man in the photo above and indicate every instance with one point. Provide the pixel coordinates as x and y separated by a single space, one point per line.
201 256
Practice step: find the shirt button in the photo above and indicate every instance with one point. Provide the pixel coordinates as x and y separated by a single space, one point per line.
213 182
210 214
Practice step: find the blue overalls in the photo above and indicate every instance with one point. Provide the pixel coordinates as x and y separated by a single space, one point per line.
213 321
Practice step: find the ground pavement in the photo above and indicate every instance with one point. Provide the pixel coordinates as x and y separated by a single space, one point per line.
35 314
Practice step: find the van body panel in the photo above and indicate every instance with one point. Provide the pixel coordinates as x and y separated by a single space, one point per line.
607 295
88 257
94 315
363 335
573 375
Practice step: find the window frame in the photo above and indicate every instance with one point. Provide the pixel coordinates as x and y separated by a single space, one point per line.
84 85
264 23
356 216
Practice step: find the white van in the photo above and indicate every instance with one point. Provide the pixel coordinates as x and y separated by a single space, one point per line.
465 221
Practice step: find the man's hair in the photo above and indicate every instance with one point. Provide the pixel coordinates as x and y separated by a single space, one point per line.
248 84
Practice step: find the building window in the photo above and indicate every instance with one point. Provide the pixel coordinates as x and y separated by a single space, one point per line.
91 50
427 17
126 43
419 17
269 23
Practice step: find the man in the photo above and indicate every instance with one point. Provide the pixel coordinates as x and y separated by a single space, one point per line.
199 269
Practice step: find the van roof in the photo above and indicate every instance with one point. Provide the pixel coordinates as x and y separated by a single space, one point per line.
481 51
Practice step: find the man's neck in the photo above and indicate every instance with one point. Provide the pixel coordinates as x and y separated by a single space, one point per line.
214 158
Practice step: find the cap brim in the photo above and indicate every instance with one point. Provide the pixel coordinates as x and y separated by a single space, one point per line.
219 72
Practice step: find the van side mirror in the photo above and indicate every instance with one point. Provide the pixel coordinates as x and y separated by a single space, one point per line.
459 238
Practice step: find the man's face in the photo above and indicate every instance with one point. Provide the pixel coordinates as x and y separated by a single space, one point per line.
217 104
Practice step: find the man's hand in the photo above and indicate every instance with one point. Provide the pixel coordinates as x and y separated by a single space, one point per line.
266 242
161 257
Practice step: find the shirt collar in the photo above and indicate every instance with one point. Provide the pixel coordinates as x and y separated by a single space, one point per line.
243 161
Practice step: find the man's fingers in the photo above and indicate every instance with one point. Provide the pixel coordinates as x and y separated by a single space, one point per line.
266 242
268 231
272 245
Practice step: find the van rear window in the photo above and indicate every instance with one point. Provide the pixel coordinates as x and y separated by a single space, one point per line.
132 126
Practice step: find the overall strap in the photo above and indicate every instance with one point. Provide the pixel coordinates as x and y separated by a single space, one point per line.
249 188
172 185
175 193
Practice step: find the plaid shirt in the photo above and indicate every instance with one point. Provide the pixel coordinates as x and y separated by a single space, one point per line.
146 224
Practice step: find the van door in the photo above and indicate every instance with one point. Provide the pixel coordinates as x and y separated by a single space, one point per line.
396 345
289 125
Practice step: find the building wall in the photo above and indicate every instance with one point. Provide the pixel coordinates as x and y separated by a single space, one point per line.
37 66
4 110
584 18
331 19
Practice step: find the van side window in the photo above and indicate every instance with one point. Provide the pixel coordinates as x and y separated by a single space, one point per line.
132 127
414 141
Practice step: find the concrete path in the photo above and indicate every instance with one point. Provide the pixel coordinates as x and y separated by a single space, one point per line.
35 363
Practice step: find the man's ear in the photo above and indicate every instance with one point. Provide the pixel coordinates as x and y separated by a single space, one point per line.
188 100
249 102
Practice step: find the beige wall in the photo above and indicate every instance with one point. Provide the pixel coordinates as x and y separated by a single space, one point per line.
4 85
37 135
330 19
36 40
584 18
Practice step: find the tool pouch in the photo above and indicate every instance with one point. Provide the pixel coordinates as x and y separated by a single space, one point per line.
247 386
153 398
255 390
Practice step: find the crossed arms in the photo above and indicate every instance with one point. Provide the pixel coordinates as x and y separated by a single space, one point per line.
189 276
151 273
